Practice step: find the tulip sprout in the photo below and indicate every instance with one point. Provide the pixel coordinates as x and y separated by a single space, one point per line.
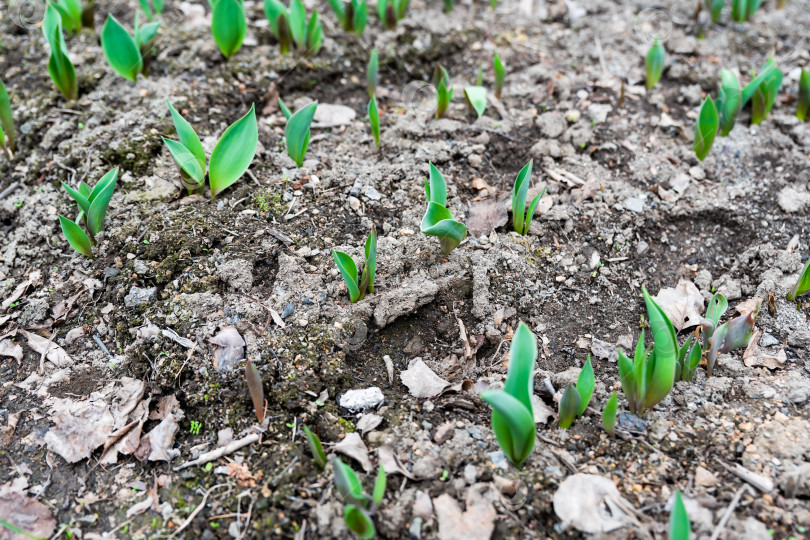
732 334
374 120
444 92
500 75
609 414
359 506
743 10
655 63
372 74
802 285
512 417
60 67
291 28
254 382
679 527
476 98
358 286
804 96
715 7
392 11
297 130
575 399
438 220
71 13
8 137
351 14
92 203
151 9
228 25
521 218
315 448
230 159
124 52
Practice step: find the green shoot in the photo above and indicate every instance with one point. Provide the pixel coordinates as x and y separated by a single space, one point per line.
374 120
765 95
743 10
444 92
732 334
609 414
373 73
71 13
706 128
379 487
351 14
585 385
92 203
291 28
448 5
688 359
715 7
438 220
729 101
679 527
254 383
392 11
151 9
297 130
522 219
230 159
60 67
124 52
316 448
500 75
476 98
804 96
575 399
359 506
228 25
802 285
8 136
512 419
365 283
655 63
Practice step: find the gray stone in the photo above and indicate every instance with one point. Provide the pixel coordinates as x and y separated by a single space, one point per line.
634 204
138 296
358 400
552 124
237 273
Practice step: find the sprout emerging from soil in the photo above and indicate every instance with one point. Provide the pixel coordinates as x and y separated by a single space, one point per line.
521 218
254 383
92 203
706 128
297 130
743 10
444 92
351 14
609 414
500 75
448 6
648 378
438 220
71 13
60 68
230 159
392 11
365 283
8 137
765 95
732 334
155 7
316 448
359 506
715 7
291 28
228 25
802 285
804 96
372 74
476 99
512 418
124 53
374 120
689 356
655 63
575 399
679 527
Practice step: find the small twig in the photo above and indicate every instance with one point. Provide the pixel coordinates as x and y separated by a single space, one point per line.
101 346
289 465
219 452
729 511
760 482
196 511
9 190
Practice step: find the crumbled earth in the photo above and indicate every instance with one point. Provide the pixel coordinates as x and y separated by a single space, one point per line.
136 364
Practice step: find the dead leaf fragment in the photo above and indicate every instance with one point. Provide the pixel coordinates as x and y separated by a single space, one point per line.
231 349
53 352
11 349
486 216
754 356
391 463
354 447
421 381
540 410
33 279
80 428
591 504
161 440
368 422
682 304
27 514
477 522
750 305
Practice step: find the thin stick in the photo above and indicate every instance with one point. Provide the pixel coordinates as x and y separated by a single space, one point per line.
219 452
196 511
729 511
9 190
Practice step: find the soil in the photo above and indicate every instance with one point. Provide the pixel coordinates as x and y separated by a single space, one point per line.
640 211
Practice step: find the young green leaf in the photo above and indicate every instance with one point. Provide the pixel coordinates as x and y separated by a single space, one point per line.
739 10
228 25
665 350
716 8
358 521
803 106
729 101
519 192
802 285
60 67
679 528
6 119
628 380
145 34
448 6
348 270
476 98
500 75
765 73
585 385
188 162
374 120
234 152
272 10
706 128
297 132
370 269
765 95
715 344
81 200
609 414
99 200
190 142
691 362
569 405
348 484
73 8
716 308
655 63
316 448
379 487
372 73
284 109
438 220
740 330
314 38
515 430
76 237
122 53
444 95
340 8
297 17
256 389
751 8
285 39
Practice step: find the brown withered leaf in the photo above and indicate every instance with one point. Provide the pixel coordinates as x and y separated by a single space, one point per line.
486 216
682 304
754 356
26 513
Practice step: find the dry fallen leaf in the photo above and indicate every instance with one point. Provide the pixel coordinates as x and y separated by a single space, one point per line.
161 440
754 356
752 304
354 447
486 216
33 279
11 349
540 410
477 522
603 349
231 349
53 352
328 115
421 381
80 428
368 422
591 504
391 463
27 514
683 304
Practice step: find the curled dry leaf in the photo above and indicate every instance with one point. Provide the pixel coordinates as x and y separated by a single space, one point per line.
354 447
161 440
477 522
231 348
368 422
53 352
540 410
591 504
421 381
80 428
11 349
683 304
486 216
754 356
391 463
750 305
27 514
